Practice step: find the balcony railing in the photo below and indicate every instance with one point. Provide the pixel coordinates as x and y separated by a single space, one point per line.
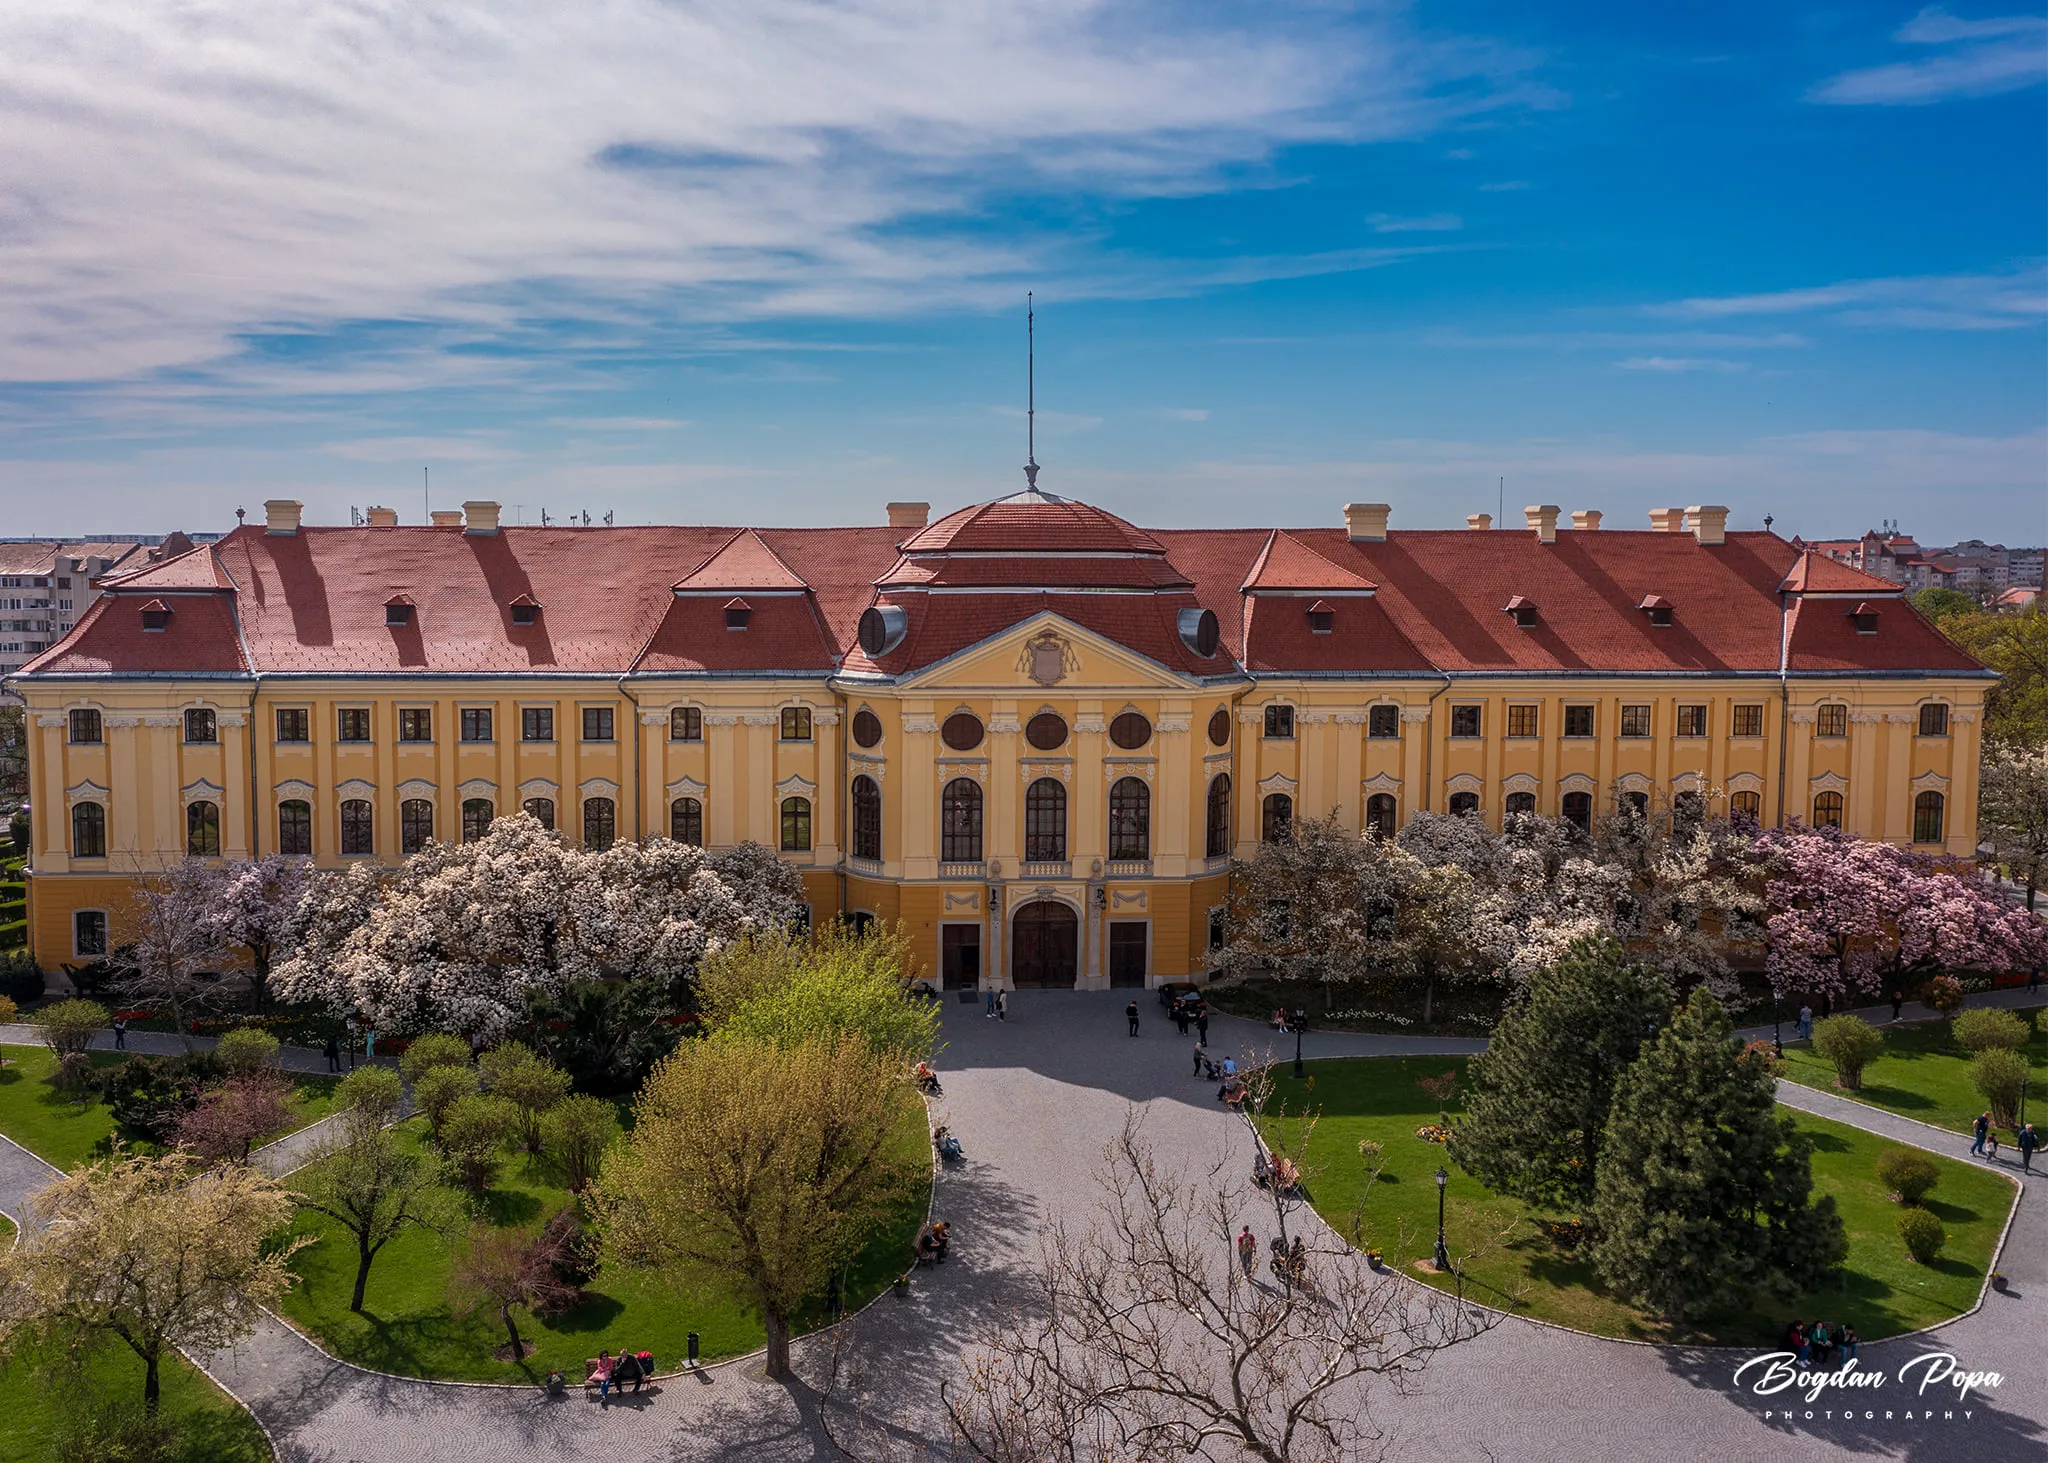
1128 868
1047 869
963 871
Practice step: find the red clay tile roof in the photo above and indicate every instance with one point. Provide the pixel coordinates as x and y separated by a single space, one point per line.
742 562
198 568
1032 520
1818 574
199 639
1288 563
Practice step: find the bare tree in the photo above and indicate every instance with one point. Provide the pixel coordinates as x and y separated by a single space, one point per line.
172 965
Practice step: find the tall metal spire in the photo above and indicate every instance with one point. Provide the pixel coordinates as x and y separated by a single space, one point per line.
1030 395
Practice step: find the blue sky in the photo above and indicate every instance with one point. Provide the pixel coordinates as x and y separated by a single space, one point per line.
766 262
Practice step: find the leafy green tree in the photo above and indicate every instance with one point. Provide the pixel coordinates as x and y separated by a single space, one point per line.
531 1083
246 1049
1703 1193
577 1131
438 1089
67 1027
2016 646
788 989
1537 1100
1943 604
2012 813
371 1096
1988 1028
1997 1074
375 1188
473 1131
1851 1044
435 1049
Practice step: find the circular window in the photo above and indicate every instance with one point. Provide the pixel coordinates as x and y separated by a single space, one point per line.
962 731
1219 727
1130 731
867 728
1046 731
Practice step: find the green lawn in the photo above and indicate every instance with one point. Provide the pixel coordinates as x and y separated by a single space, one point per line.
406 1325
212 1427
61 1131
1882 1292
1922 1074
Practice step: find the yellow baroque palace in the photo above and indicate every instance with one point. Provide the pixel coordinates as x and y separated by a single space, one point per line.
1032 732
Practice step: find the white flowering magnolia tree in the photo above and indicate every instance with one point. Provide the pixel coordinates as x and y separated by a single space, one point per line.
462 935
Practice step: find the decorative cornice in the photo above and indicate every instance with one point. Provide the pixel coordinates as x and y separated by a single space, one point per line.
1175 727
1930 781
1745 782
1278 782
1005 725
685 787
201 791
1576 782
795 786
293 789
720 718
85 792
1830 782
654 718
1464 782
1250 715
1865 716
231 718
597 787
416 787
1632 782
1687 781
356 787
1090 725
538 787
1381 782
478 787
1963 717
1902 717
1351 718
1415 715
825 718
923 727
1519 782
43 719
1805 718
1312 718
761 718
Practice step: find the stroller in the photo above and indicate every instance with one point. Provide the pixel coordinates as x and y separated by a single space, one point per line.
947 1145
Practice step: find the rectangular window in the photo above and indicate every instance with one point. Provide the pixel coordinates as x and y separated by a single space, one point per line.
1692 721
476 723
89 932
1383 721
1578 721
1635 721
352 724
796 724
597 723
1831 721
1467 721
1522 721
1746 721
1933 723
415 723
199 726
686 724
536 723
1280 722
294 724
85 727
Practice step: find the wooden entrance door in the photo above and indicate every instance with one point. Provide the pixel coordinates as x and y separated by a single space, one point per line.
960 957
1046 947
1127 952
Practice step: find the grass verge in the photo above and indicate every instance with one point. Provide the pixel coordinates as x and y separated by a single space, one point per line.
1922 1074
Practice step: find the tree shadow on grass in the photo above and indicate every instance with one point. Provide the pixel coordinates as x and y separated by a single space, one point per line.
506 1207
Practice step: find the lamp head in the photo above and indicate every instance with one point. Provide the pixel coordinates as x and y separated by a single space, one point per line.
1442 1178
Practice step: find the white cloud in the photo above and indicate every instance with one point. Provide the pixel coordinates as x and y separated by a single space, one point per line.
1673 365
1925 302
1985 57
179 178
1428 223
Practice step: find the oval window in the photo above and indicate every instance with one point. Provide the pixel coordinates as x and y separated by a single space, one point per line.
867 728
1219 727
1130 731
1046 731
962 731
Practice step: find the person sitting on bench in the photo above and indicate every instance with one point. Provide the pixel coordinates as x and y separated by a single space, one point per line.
946 1143
927 1079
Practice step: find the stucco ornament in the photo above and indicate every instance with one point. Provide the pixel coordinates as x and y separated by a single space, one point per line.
1048 659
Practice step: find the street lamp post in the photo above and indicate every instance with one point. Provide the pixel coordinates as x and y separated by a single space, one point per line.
1300 1025
1443 1256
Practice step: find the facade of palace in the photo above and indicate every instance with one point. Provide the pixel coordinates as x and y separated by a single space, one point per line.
1031 731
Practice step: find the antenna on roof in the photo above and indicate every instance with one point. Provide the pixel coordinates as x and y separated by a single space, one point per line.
608 514
426 497
1500 508
1030 395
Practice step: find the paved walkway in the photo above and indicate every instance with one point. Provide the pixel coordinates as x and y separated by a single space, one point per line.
1034 1100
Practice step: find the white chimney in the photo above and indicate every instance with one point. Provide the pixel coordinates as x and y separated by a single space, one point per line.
382 517
1709 524
1366 522
1667 520
1543 518
909 515
281 515
1478 522
446 517
1586 520
481 515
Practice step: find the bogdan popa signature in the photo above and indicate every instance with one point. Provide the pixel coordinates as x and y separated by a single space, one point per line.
1779 1371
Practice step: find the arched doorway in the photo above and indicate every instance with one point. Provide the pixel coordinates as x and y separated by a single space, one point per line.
1046 946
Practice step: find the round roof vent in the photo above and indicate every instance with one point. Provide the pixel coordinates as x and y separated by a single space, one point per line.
882 628
1200 632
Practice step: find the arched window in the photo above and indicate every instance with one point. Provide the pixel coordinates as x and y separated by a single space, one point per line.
542 811
1521 805
686 821
1927 818
796 825
88 830
867 818
1464 804
601 824
1381 815
295 827
1637 803
1130 819
477 814
1276 822
1746 807
960 822
1827 810
202 829
1219 817
1045 821
358 831
1577 808
1688 812
415 824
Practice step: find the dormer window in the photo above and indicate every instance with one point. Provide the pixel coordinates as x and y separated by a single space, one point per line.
525 610
737 612
1524 611
1321 617
398 610
1864 618
1657 608
156 615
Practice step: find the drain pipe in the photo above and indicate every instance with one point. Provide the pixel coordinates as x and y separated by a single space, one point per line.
1429 741
639 789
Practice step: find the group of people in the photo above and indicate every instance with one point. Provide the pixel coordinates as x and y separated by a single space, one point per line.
636 1367
931 1243
997 1005
1189 1010
1819 1343
1985 1141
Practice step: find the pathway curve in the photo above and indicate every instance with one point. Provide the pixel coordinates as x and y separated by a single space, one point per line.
1034 1099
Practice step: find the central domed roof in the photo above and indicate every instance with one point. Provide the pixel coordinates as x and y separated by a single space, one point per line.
1032 522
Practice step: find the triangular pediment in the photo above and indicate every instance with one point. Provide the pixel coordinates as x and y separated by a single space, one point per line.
1044 653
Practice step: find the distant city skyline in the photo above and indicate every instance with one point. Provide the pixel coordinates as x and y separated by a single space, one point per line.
768 264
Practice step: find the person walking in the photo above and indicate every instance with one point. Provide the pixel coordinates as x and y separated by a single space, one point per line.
2028 1142
1805 1023
1247 1250
1898 1004
1202 1023
120 1033
1003 1004
370 1046
2033 980
332 1051
1982 1128
1201 1056
1131 1015
1180 1016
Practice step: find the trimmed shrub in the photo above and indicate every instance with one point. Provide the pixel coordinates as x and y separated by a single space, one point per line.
150 1096
8 1010
245 1050
1921 1230
529 1082
1908 1173
1989 1029
437 1049
372 1094
437 1089
69 1026
577 1131
1851 1044
20 977
472 1134
1997 1074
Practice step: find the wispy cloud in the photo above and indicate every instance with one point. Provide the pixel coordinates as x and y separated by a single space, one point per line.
622 424
1973 58
1188 414
1920 302
1666 340
1676 365
418 449
1428 223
